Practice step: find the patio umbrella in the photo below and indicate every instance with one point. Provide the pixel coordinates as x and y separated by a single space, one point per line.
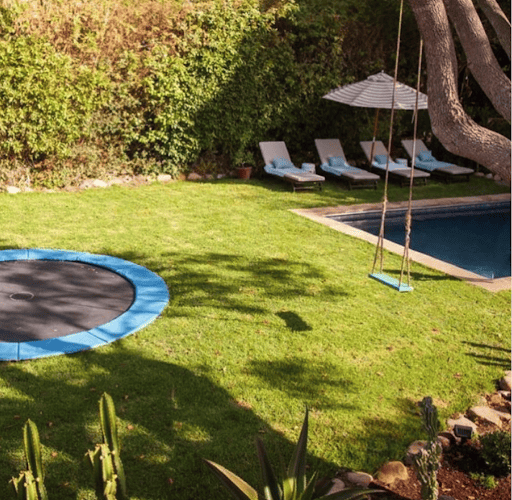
383 91
377 92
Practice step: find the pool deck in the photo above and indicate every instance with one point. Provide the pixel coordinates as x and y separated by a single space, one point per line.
321 215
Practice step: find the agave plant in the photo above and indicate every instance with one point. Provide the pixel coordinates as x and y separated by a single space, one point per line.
294 486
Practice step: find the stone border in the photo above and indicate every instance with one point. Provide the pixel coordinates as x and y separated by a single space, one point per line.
320 215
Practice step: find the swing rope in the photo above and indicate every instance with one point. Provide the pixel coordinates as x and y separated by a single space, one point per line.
379 251
408 219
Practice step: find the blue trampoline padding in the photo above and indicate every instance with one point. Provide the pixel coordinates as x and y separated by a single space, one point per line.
392 282
151 297
13 255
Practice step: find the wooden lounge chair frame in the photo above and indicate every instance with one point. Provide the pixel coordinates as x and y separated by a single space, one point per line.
402 175
356 178
299 178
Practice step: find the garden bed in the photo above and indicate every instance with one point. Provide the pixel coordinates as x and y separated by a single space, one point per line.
452 481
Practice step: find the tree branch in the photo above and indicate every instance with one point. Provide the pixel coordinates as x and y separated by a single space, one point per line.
457 132
481 60
499 22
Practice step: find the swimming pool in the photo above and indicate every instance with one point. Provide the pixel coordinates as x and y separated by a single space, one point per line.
356 216
475 237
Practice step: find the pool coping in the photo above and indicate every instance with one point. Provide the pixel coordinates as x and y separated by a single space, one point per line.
321 214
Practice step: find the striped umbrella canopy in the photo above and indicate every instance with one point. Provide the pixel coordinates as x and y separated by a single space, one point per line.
377 92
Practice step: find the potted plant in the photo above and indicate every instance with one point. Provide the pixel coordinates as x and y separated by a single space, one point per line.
243 161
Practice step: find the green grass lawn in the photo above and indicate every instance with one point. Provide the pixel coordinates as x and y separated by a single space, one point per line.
269 312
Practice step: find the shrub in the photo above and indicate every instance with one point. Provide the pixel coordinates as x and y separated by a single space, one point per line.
47 102
495 451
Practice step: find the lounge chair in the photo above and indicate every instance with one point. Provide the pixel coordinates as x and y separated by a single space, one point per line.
278 164
334 163
425 161
398 170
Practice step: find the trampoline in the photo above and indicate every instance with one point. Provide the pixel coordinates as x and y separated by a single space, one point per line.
56 302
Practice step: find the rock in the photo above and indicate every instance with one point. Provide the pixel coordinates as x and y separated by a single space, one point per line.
479 174
505 395
392 471
119 180
444 441
221 176
413 449
13 190
193 177
462 421
488 414
88 183
489 176
141 179
506 382
98 183
361 479
164 178
338 485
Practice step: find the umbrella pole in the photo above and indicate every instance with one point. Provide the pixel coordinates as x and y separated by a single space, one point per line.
375 124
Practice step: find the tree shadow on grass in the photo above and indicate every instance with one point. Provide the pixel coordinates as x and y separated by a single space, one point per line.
305 380
294 322
386 439
170 418
232 282
489 355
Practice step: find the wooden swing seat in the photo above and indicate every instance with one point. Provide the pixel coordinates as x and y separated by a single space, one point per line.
392 282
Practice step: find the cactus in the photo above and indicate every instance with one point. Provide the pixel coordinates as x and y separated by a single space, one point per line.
105 460
427 461
30 483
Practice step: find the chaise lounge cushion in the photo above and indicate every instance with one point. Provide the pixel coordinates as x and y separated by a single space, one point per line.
381 159
280 163
337 161
426 156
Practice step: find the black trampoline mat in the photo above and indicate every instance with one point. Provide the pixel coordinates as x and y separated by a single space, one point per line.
42 299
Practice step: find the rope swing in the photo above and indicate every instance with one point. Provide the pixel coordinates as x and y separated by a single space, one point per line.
397 284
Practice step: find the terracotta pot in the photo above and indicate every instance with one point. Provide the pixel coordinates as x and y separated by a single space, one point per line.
244 172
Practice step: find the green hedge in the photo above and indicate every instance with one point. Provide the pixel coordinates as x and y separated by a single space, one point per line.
230 75
47 101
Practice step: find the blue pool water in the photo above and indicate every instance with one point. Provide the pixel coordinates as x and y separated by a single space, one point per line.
476 238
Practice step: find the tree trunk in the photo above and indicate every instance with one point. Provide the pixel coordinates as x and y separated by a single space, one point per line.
481 60
499 22
457 132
